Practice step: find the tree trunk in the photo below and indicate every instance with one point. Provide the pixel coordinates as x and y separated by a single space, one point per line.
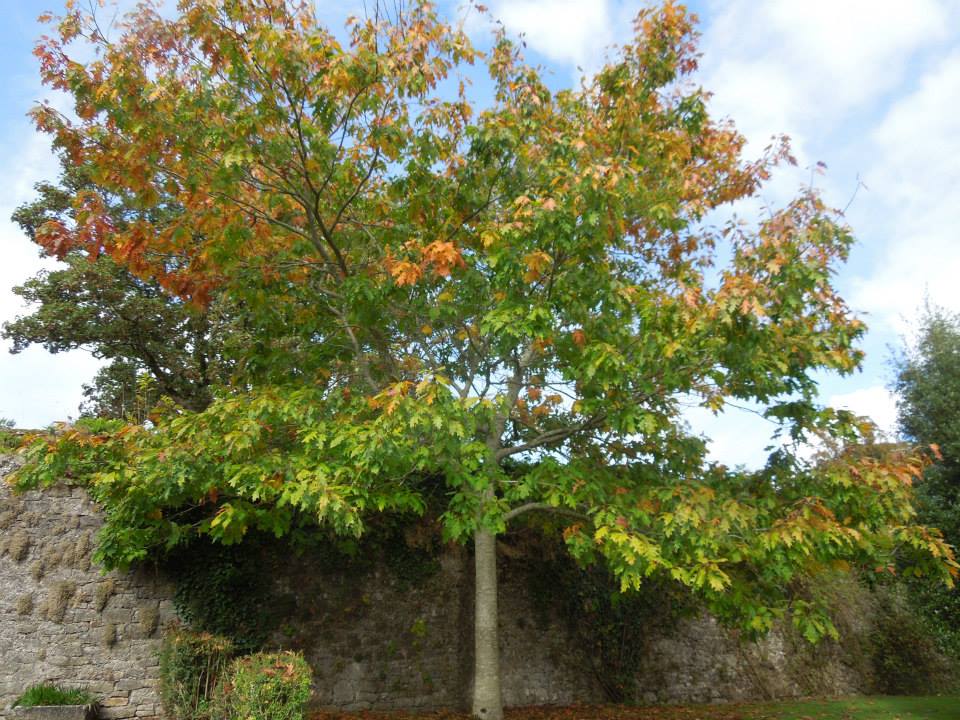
487 702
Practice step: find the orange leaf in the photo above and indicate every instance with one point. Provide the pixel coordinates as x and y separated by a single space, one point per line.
406 273
444 256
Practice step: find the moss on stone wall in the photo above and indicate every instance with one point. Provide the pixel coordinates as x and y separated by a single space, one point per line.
104 591
24 604
17 546
58 599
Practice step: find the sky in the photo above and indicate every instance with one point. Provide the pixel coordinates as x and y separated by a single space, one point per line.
870 88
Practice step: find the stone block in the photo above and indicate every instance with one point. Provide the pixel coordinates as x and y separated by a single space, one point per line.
55 712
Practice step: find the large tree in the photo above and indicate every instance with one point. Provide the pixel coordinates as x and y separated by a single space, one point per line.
927 384
513 298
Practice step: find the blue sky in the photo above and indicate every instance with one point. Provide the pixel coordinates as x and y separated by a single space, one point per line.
869 87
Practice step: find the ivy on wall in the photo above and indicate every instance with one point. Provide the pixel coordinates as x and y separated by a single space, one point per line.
224 591
229 590
610 626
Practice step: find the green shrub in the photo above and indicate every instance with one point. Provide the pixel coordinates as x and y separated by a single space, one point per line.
905 655
48 694
191 666
267 686
938 608
9 439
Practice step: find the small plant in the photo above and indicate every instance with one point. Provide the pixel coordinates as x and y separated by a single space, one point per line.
60 595
18 546
38 570
108 635
9 437
49 694
25 604
266 686
191 665
149 620
103 593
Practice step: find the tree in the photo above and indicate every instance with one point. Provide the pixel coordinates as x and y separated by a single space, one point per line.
97 304
510 298
927 384
928 408
119 391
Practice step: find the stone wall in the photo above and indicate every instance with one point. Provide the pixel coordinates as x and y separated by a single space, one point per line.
373 641
61 620
375 644
702 662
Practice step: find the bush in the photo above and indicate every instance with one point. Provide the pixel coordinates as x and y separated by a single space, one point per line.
48 694
191 666
906 658
267 686
938 608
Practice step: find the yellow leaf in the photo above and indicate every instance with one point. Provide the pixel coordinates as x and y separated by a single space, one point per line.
536 263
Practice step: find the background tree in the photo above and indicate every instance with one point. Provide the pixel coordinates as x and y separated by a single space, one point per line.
928 408
511 298
119 391
97 304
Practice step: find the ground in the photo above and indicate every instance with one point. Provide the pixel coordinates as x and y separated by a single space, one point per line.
943 707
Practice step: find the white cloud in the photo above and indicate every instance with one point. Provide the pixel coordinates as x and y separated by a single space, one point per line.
572 32
788 66
874 402
39 388
873 89
735 436
741 437
915 184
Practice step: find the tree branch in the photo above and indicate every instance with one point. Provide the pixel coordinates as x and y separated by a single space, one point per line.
551 436
543 507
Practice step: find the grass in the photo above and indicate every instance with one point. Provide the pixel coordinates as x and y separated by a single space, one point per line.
859 708
48 694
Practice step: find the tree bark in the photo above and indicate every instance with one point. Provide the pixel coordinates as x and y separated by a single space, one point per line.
487 701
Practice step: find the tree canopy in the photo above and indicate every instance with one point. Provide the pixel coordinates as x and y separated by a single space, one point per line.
517 298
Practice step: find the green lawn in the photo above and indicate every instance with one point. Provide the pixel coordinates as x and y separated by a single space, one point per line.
859 708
